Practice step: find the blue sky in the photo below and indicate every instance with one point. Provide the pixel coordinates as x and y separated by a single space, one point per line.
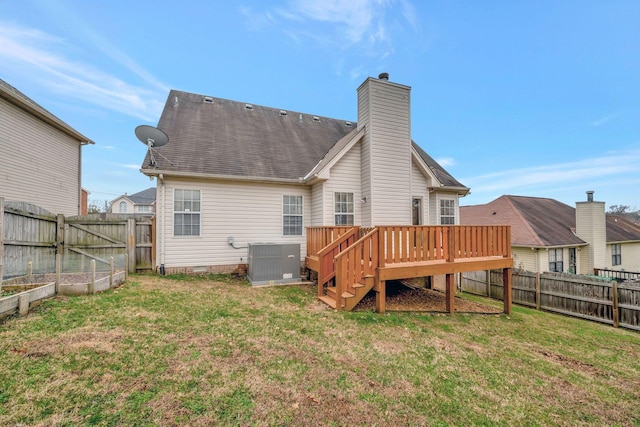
538 98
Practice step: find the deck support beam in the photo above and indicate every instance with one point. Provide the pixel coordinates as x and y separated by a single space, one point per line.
381 296
508 290
450 292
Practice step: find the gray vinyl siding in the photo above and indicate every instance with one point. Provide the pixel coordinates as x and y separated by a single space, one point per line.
345 177
365 161
249 212
419 189
40 164
317 204
386 108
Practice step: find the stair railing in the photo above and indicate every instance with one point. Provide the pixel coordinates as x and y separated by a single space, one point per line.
354 264
326 256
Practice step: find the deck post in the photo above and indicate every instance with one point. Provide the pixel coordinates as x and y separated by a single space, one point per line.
451 293
381 297
507 288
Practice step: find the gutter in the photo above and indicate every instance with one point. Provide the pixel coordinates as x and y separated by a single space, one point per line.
161 172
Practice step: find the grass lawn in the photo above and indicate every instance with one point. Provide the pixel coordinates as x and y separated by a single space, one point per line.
187 351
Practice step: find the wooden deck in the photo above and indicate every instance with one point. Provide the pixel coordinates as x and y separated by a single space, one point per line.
350 261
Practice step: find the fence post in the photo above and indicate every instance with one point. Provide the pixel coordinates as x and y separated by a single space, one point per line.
23 304
110 272
30 271
92 281
58 271
488 273
126 271
60 235
537 291
1 241
131 245
614 297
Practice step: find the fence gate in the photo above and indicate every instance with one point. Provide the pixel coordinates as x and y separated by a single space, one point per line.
101 236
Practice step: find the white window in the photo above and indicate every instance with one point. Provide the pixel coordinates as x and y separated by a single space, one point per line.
144 208
447 211
186 212
292 215
343 208
122 207
555 260
616 254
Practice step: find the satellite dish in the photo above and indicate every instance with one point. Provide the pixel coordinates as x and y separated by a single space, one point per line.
151 137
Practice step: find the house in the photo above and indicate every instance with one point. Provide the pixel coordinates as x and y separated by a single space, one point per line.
547 235
235 173
143 202
41 155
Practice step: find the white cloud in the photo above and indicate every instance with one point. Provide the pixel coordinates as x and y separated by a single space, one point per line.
597 170
446 161
37 53
130 166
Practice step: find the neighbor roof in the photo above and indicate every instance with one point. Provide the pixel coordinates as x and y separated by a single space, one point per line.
534 221
19 99
540 222
144 197
221 137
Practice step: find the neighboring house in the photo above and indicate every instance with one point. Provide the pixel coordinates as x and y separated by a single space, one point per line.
547 235
143 202
41 155
235 173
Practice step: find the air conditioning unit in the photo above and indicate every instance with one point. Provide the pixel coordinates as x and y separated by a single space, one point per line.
272 263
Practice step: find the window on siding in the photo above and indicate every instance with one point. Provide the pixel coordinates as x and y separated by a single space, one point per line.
186 212
616 254
555 260
447 211
292 215
144 208
343 209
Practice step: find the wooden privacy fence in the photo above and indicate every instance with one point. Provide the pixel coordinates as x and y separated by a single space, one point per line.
587 297
31 237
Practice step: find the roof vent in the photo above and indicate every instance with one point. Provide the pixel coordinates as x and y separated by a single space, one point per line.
208 100
316 118
348 124
383 76
590 196
283 113
248 107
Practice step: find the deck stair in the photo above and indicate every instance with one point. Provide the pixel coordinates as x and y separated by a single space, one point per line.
351 261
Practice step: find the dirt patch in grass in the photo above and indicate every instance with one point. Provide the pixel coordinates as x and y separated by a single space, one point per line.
404 298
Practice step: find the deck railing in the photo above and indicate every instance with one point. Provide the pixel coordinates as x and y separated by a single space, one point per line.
399 244
319 237
355 263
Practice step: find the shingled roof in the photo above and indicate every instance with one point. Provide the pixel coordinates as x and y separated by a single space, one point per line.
540 222
219 137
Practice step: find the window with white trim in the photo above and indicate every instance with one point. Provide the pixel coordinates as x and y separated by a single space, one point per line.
616 254
122 207
292 219
186 212
144 208
343 208
447 211
555 260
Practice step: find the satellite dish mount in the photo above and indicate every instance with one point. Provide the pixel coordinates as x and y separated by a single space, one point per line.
153 138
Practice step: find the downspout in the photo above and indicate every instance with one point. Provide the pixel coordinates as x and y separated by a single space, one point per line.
162 221
80 180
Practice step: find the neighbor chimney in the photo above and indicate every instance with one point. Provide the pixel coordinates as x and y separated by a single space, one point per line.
590 196
591 226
